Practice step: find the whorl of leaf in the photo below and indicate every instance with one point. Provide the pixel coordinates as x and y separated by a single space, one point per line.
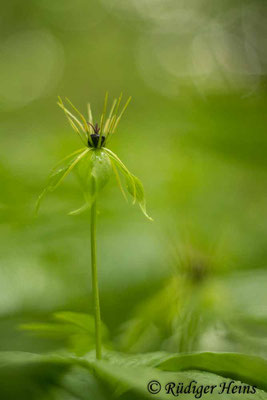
102 160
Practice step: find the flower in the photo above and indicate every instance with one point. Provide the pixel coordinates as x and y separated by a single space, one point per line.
95 160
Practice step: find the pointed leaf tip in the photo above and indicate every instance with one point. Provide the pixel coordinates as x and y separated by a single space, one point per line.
133 184
135 188
80 210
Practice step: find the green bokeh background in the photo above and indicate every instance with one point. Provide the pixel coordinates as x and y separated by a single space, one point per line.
195 134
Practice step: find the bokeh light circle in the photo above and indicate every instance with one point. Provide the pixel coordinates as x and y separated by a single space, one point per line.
31 64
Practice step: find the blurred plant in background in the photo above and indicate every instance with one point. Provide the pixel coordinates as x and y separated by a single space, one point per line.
196 278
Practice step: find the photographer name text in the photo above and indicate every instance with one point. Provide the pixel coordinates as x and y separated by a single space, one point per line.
197 390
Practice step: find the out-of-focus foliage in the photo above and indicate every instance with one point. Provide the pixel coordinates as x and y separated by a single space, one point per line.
125 376
195 133
74 331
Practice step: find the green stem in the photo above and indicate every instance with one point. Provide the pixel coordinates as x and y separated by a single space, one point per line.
95 282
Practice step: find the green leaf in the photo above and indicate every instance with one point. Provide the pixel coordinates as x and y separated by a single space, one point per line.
136 360
81 320
117 176
101 170
46 377
118 162
249 369
93 176
21 357
81 209
127 373
71 337
76 329
27 376
58 175
51 329
133 184
136 189
81 384
122 378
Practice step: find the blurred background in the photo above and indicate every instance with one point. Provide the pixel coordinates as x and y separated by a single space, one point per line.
195 134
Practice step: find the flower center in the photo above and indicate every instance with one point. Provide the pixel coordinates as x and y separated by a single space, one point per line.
95 139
